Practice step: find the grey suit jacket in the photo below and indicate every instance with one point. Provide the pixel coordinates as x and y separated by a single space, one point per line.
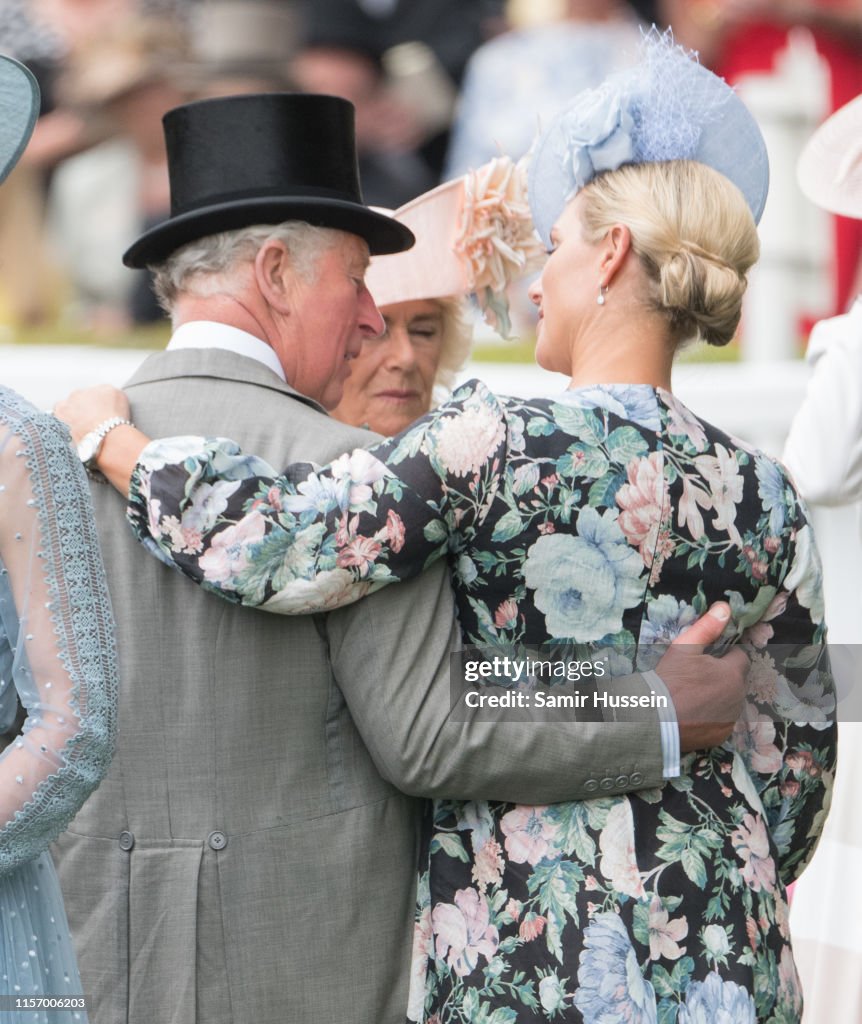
251 855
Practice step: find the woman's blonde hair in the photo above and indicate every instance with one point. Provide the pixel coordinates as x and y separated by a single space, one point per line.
694 234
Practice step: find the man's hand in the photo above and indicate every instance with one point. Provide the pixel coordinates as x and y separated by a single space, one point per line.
86 408
708 692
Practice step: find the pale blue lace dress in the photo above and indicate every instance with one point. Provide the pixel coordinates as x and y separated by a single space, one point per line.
57 655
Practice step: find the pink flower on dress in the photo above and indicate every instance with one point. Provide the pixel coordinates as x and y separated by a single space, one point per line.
617 843
463 931
790 789
751 843
228 554
789 990
395 530
183 539
529 835
759 635
514 908
332 588
273 498
360 552
645 506
762 677
725 488
782 917
754 738
664 934
488 865
532 927
802 763
753 933
506 615
694 498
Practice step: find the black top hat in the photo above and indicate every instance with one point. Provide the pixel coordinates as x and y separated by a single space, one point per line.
235 161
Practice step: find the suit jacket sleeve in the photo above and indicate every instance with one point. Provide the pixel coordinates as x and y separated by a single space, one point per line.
390 655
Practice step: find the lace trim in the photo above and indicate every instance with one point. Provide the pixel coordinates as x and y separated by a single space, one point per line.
83 626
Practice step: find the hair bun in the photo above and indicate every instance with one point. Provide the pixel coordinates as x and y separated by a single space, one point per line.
701 292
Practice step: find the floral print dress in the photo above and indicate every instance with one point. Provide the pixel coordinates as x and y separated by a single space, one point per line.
610 514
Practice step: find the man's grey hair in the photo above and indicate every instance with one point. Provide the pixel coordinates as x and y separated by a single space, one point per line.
210 266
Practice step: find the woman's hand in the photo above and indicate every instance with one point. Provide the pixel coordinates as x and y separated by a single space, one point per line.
87 408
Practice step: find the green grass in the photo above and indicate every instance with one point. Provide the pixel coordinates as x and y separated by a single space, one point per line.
516 351
139 337
522 349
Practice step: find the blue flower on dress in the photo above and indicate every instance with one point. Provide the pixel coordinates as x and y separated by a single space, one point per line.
635 402
612 987
319 494
584 584
716 1001
771 488
666 619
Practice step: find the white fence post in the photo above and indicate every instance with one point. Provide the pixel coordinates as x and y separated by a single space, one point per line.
793 274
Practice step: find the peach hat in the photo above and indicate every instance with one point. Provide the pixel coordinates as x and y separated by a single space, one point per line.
473 234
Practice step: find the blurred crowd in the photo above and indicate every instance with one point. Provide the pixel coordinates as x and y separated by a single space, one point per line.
440 86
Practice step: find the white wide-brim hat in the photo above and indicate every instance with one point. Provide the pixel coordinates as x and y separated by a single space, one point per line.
829 170
19 108
473 234
667 107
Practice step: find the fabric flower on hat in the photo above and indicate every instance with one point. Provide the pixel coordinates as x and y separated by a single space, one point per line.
496 236
598 135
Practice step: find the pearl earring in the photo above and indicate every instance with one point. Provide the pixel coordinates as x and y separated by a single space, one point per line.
600 299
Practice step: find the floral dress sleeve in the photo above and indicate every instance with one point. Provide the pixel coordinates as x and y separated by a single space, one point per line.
314 539
787 738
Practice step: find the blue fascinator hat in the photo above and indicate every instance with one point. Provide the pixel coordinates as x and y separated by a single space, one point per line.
19 108
666 107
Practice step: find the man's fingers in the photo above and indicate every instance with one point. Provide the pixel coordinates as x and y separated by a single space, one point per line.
707 629
737 659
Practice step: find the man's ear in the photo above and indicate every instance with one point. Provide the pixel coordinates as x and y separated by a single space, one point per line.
616 246
273 273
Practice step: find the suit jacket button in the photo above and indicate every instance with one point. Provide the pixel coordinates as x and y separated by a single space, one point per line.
127 841
217 840
607 783
622 781
591 785
636 778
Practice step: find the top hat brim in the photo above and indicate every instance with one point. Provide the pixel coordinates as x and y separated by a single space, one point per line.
382 233
19 108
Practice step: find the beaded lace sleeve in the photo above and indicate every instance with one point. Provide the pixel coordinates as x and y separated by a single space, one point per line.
56 633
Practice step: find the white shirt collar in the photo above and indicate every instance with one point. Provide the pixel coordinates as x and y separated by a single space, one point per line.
211 334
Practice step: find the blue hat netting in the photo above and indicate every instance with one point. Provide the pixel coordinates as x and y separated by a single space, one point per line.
667 107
